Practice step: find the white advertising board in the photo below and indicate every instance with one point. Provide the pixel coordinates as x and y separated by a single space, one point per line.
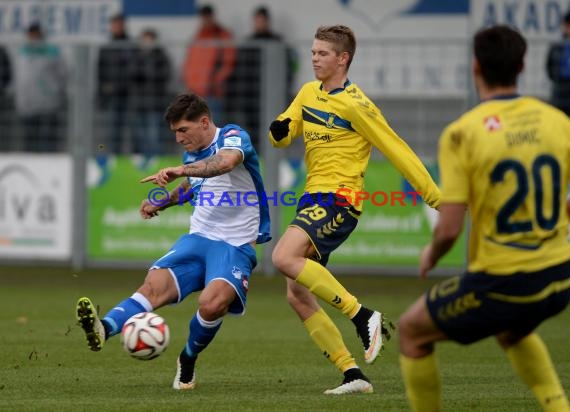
62 20
538 20
35 206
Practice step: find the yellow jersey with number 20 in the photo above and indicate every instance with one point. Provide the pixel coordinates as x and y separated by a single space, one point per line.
509 160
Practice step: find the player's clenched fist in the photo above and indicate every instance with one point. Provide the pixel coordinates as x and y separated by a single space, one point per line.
148 210
280 128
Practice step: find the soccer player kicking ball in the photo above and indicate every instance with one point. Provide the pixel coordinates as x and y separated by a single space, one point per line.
218 254
339 125
508 160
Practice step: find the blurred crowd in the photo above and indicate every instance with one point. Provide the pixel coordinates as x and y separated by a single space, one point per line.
135 78
133 85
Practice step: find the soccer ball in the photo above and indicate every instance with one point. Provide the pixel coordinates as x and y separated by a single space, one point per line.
145 336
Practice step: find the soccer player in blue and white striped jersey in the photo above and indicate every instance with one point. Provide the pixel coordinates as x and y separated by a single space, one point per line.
217 256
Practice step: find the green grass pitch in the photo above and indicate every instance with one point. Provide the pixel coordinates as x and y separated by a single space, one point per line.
263 361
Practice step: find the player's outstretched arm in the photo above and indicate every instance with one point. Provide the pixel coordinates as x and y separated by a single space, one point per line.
164 176
221 163
372 126
446 232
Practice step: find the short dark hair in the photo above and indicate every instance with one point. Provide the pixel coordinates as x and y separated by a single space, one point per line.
117 17
150 32
500 52
186 107
35 27
206 10
262 11
566 18
341 36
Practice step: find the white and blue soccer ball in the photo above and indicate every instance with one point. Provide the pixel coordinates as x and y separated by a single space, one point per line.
145 336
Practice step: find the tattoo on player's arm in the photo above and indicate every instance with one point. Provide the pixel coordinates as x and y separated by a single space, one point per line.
213 166
174 195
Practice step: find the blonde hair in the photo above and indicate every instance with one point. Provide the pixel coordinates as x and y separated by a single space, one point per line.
342 38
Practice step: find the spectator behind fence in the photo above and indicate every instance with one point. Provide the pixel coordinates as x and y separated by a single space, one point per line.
262 31
245 83
5 100
149 76
40 79
113 83
558 68
209 62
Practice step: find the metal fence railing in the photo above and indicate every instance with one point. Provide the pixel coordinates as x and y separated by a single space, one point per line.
92 102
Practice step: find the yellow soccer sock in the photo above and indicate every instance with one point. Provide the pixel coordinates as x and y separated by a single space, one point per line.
327 337
532 362
323 284
423 386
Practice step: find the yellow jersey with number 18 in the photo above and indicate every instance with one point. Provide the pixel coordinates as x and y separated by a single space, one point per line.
509 160
339 129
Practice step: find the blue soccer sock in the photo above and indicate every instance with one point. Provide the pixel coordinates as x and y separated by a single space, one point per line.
201 334
114 320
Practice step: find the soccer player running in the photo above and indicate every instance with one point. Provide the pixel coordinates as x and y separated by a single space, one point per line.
508 161
340 125
218 254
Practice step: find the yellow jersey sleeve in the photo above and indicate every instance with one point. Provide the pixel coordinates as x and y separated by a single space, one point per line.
567 134
370 124
452 169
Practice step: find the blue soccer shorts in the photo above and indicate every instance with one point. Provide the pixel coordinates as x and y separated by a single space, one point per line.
194 261
477 305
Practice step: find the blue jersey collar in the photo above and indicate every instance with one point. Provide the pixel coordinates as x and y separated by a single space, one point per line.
190 157
338 89
504 97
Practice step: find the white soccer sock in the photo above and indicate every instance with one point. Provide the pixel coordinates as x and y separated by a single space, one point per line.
142 300
207 323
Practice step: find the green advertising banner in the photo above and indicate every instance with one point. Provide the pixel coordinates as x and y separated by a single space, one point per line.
388 233
115 229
